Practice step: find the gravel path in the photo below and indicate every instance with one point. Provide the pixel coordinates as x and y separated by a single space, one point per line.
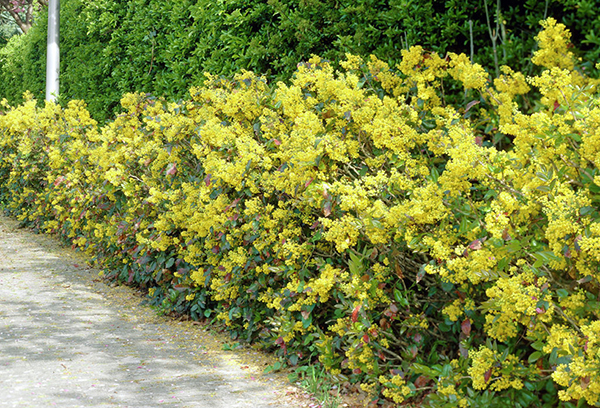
69 340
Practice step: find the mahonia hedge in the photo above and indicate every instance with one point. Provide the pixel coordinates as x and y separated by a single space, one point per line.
435 254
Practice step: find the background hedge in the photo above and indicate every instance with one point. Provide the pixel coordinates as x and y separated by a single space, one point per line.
110 47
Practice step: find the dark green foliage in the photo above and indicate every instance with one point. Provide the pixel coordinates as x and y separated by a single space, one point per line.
109 47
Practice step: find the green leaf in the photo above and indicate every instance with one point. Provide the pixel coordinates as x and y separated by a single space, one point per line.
535 356
307 322
543 258
434 174
538 345
170 262
423 369
584 211
444 327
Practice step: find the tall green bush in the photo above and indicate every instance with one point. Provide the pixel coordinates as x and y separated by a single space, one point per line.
110 47
23 64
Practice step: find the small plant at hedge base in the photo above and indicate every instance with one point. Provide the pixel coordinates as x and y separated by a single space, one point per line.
316 381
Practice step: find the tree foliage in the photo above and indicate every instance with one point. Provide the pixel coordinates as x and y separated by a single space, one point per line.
22 11
8 28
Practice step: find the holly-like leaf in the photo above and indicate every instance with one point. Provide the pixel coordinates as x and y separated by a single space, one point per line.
535 356
398 271
328 114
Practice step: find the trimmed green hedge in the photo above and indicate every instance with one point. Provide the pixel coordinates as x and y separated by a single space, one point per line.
110 47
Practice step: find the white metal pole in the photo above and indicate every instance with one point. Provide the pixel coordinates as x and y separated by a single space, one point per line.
53 52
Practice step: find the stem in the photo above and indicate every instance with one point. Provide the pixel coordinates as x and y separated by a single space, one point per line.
471 39
391 353
567 318
503 184
494 33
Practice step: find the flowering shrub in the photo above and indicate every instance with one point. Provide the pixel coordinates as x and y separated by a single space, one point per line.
435 253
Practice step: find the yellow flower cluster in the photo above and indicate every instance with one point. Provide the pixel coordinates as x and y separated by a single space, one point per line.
553 42
580 375
497 372
514 301
395 388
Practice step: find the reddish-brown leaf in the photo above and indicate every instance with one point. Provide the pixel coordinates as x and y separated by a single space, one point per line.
475 245
585 381
172 169
327 208
465 326
328 114
355 314
470 105
421 381
398 271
